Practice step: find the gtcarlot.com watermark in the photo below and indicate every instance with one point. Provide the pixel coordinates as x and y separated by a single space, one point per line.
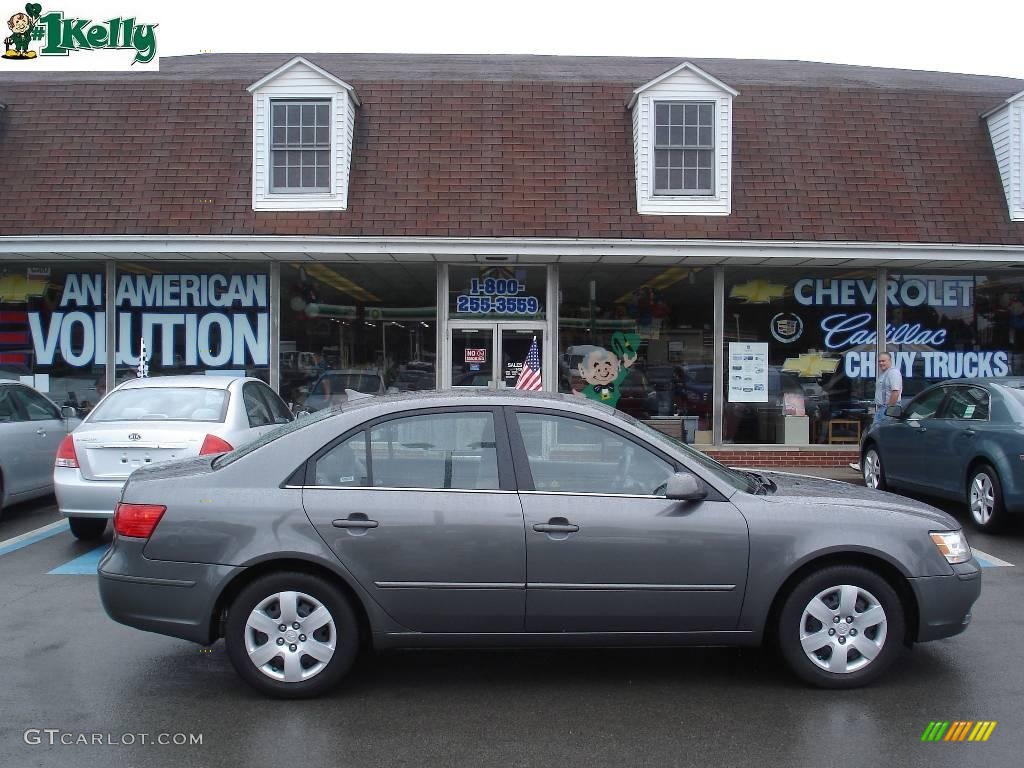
55 736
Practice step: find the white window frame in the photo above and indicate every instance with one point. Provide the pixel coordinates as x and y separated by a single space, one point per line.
304 191
654 149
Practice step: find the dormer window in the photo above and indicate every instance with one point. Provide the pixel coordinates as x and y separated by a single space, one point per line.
300 145
682 142
303 124
684 148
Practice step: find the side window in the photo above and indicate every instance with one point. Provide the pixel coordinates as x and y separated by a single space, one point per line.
968 403
344 465
279 412
255 407
443 450
8 408
575 456
35 405
926 404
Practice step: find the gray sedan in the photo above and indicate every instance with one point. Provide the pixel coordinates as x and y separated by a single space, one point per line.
31 429
962 440
512 519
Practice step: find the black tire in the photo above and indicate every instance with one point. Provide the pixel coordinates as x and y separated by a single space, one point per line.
346 635
988 515
869 469
87 528
886 641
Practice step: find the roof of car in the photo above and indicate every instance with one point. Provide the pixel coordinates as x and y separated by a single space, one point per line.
443 397
206 382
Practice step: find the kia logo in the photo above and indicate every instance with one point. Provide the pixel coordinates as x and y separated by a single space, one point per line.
134 436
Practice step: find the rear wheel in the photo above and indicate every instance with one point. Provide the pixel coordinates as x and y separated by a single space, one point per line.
841 627
87 528
291 635
985 498
871 466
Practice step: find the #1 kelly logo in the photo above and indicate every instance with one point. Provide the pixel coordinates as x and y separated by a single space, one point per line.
59 36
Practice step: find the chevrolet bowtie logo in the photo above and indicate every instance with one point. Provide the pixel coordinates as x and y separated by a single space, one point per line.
758 291
810 365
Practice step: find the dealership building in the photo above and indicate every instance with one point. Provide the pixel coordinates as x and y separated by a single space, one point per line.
719 247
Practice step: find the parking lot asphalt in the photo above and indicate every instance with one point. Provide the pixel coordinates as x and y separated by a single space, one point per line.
71 674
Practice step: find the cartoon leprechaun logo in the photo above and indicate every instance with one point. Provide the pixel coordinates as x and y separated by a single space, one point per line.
21 26
604 370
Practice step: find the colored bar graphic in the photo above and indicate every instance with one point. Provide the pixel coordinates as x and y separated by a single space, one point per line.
958 730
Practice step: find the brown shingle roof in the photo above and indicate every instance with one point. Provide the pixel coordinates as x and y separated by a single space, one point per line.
516 146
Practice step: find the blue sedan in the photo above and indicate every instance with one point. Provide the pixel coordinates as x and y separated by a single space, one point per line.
962 440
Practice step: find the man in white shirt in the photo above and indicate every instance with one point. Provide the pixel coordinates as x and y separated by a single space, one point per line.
888 387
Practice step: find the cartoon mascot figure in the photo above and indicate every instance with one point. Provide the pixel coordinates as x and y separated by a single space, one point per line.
604 370
21 26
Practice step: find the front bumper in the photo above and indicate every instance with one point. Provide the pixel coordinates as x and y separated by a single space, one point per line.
78 497
168 598
944 602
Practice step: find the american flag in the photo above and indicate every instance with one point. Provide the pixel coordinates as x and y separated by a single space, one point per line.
529 378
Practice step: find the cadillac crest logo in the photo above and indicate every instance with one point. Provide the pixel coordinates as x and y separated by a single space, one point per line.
787 327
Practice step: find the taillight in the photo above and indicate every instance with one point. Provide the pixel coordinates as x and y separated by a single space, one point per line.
66 456
137 520
214 444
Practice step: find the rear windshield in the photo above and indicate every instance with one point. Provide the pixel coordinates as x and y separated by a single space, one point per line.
163 404
337 383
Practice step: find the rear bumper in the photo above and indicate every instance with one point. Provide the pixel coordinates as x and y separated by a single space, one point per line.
944 602
169 598
78 497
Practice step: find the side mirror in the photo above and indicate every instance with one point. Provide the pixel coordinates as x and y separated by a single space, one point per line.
68 412
683 486
302 414
894 411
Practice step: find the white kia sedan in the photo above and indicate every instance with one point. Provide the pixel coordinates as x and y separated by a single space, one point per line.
146 421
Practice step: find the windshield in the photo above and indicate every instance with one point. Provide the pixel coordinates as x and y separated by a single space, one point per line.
738 480
336 383
163 404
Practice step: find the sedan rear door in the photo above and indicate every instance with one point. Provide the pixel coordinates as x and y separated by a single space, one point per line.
421 507
606 551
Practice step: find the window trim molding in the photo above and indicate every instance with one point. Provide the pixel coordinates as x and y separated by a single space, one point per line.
655 194
298 191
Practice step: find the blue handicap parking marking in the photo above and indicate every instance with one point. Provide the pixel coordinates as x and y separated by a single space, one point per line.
85 565
985 560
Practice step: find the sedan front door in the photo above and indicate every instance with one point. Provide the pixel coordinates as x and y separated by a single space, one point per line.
43 432
904 443
606 551
422 510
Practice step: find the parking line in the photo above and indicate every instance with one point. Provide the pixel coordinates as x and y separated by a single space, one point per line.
989 561
85 565
31 537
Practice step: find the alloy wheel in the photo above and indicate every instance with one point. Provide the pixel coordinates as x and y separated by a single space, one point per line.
872 470
843 629
290 636
983 498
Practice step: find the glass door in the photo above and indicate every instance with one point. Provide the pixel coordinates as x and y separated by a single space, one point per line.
472 356
514 350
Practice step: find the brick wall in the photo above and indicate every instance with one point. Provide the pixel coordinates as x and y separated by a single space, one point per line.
784 457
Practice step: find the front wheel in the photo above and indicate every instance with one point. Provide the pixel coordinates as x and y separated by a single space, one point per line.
291 635
841 627
985 497
871 466
87 528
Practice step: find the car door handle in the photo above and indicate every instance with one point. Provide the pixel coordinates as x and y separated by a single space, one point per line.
41 431
356 520
556 525
970 432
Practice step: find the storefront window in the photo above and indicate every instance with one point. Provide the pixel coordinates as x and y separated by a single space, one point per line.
369 327
640 339
52 330
496 292
194 319
797 344
951 326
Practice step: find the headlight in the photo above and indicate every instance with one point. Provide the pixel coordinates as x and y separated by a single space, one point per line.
953 546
